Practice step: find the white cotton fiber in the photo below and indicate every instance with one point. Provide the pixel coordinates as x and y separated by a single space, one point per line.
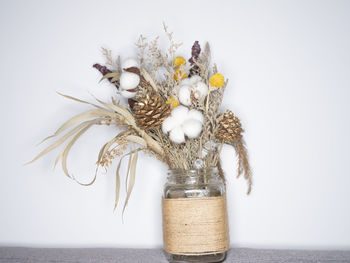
185 95
196 115
200 90
127 94
129 63
129 80
185 82
192 128
195 79
183 122
169 124
180 113
177 135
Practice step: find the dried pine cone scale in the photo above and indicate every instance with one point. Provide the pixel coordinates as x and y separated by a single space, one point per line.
150 112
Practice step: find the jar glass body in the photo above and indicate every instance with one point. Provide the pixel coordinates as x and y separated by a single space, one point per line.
193 184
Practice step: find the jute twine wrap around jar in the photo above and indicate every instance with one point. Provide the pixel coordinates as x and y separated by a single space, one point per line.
195 226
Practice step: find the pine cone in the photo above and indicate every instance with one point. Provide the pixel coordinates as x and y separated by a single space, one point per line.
230 132
150 112
230 128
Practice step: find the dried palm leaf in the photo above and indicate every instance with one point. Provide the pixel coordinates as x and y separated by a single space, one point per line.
57 143
132 174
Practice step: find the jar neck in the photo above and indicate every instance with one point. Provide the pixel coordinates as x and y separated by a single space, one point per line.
195 176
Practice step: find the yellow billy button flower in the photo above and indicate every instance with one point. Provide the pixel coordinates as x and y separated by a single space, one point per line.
217 80
178 61
173 102
179 75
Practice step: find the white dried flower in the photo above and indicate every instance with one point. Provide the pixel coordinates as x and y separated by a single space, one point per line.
129 63
183 122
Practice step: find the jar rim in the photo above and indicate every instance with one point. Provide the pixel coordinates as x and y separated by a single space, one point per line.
193 172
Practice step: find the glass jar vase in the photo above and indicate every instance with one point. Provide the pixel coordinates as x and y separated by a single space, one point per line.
195 225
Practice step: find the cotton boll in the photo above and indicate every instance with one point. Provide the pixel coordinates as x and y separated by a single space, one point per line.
185 95
169 124
195 115
129 80
200 90
185 82
127 94
192 128
183 122
195 79
180 113
177 135
129 63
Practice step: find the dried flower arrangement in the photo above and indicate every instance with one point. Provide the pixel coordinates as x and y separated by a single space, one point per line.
171 111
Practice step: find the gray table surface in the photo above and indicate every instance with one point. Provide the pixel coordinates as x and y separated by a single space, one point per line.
109 255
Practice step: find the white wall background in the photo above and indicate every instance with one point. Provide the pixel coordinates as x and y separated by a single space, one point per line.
289 68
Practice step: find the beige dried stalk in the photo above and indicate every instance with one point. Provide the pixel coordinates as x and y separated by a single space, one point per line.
141 44
108 55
